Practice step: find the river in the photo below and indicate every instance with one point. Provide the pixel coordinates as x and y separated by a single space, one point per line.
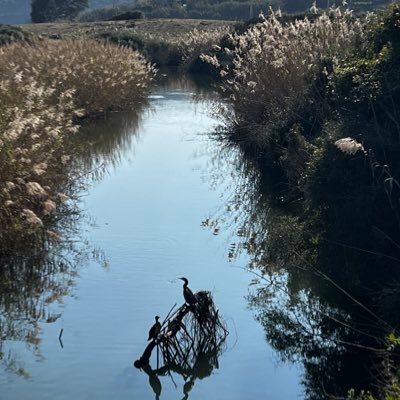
147 219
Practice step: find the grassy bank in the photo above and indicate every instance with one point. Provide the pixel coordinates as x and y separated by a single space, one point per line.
45 89
315 103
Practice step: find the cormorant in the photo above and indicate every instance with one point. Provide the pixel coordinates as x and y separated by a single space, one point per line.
155 329
188 294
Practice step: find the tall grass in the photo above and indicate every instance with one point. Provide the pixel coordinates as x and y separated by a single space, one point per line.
184 50
44 89
103 76
34 125
274 64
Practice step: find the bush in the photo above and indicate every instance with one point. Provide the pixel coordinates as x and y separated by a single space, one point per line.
105 14
53 10
198 43
34 124
125 38
10 34
127 16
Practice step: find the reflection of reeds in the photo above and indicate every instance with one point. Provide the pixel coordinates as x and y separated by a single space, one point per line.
102 143
32 285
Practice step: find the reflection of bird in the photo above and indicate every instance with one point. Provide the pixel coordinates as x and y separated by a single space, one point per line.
155 329
153 380
188 294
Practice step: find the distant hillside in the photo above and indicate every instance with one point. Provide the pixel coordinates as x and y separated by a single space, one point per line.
18 11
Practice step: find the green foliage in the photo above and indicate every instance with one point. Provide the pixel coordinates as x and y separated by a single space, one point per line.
53 10
392 392
135 14
394 339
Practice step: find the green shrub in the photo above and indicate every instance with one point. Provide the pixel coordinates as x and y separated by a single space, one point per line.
125 38
53 10
135 14
105 14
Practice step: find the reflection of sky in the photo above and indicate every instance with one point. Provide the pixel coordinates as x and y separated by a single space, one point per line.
148 213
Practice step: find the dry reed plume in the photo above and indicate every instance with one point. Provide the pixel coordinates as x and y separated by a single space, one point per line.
274 64
188 47
196 43
103 76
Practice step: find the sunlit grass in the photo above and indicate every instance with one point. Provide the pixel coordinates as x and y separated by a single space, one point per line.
274 64
44 89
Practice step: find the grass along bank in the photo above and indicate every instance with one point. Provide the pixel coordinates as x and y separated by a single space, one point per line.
45 89
317 102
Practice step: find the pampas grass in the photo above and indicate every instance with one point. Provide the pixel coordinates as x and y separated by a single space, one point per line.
45 89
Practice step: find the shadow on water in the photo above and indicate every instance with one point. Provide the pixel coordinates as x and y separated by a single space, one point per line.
325 306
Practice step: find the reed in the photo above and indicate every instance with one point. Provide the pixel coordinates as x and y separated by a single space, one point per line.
45 89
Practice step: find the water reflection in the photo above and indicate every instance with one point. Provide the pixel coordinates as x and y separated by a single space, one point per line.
33 283
34 278
315 310
101 143
200 367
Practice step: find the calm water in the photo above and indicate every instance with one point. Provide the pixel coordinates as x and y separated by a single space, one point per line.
161 183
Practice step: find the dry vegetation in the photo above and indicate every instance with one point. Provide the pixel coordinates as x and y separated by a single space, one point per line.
158 28
274 65
45 88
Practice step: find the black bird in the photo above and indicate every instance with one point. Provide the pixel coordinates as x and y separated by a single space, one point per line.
188 294
155 329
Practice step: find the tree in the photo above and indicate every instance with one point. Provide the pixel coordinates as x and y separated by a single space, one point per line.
51 10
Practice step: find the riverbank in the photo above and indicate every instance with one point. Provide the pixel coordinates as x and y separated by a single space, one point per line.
316 105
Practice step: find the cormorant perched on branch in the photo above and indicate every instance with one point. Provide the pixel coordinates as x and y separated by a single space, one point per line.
155 329
188 294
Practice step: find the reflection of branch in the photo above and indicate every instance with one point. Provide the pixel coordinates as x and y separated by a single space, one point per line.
59 338
190 340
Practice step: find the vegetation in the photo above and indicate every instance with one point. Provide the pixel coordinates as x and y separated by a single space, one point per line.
9 34
323 122
45 89
109 13
53 10
220 9
162 42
